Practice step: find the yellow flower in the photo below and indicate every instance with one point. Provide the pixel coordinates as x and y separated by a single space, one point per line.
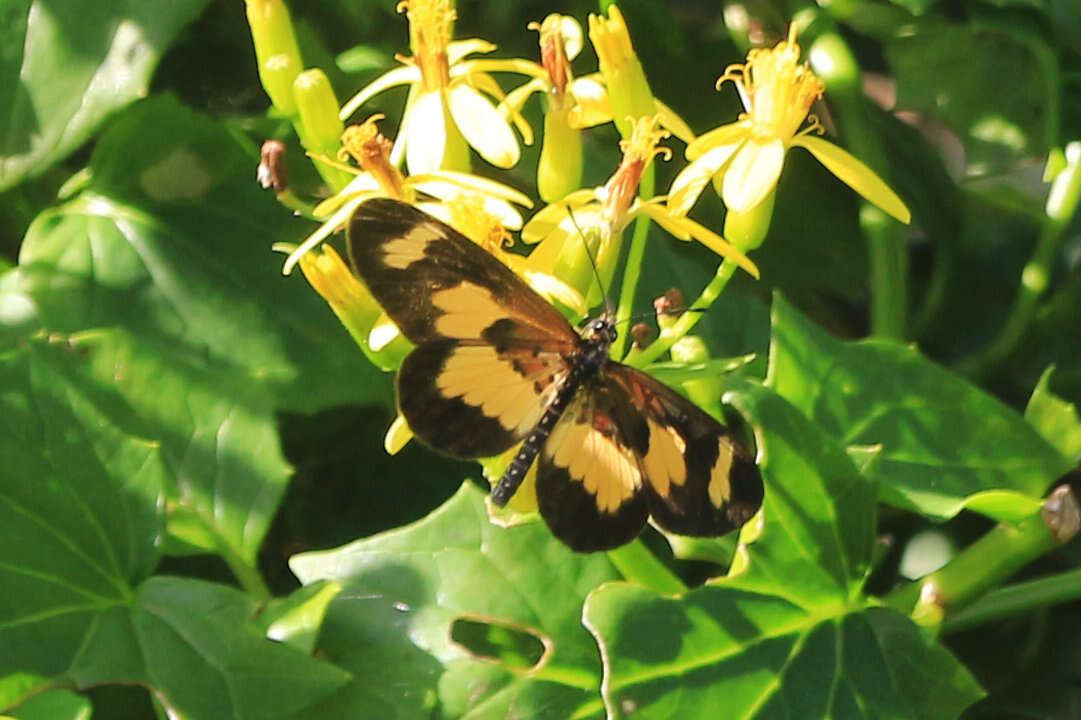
448 97
745 158
378 177
600 214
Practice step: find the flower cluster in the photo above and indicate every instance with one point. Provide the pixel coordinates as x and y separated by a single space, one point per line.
455 106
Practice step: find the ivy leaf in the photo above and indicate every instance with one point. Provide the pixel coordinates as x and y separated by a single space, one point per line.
789 635
1054 418
942 438
66 65
406 591
170 238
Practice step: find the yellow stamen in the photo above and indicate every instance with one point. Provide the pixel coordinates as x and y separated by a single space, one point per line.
470 218
371 150
430 29
776 90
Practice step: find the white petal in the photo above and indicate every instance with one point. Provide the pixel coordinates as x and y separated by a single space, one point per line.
482 126
426 130
397 76
753 174
690 182
723 135
460 48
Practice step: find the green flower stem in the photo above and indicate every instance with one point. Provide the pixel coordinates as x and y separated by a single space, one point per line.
834 62
247 576
632 271
1062 203
989 561
637 564
1015 599
745 231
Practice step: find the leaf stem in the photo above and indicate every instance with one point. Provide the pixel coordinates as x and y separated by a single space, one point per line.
990 560
834 62
1015 599
632 271
1062 202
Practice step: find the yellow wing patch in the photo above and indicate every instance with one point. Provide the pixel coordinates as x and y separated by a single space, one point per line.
664 463
481 378
401 252
607 470
468 310
720 487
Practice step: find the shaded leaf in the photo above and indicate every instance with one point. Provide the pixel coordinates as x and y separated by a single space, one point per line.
391 625
171 239
52 705
65 65
942 438
1054 418
789 635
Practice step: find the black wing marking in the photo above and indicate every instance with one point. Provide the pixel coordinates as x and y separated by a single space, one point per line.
700 479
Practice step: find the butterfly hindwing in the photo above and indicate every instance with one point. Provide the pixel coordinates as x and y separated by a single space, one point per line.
589 479
489 350
475 399
629 447
701 481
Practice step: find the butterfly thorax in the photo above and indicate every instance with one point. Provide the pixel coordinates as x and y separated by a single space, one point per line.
592 353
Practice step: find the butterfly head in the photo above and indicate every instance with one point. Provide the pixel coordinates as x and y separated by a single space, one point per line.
600 332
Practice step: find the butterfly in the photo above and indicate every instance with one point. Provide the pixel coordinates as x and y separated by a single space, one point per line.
495 365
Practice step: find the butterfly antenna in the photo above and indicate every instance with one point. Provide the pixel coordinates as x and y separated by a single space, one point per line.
609 310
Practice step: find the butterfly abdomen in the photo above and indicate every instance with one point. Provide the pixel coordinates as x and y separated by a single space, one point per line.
534 441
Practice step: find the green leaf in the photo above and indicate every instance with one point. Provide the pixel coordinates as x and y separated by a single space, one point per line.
197 646
80 504
942 438
297 619
1054 418
52 705
216 430
171 239
789 635
65 65
994 81
748 654
404 590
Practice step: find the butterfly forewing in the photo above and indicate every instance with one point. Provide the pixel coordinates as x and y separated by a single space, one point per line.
489 350
435 283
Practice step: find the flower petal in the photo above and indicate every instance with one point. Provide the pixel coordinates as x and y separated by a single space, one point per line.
664 217
460 48
426 133
363 183
856 175
473 182
673 122
692 179
723 135
486 83
549 218
397 76
753 174
719 245
331 224
482 126
591 104
448 192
